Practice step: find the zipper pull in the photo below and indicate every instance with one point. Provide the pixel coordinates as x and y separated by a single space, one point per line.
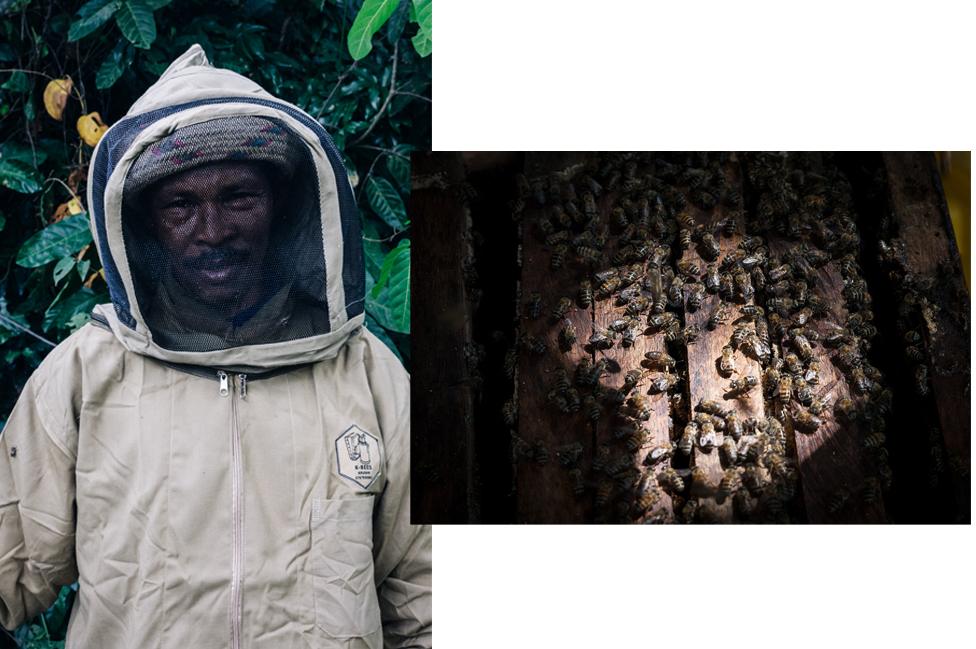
243 380
224 383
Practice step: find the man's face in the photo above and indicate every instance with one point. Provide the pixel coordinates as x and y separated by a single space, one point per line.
214 222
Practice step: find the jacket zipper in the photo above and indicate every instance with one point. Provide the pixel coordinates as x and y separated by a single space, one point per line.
236 612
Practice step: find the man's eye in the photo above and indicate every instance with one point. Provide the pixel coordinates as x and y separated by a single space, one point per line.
241 199
179 204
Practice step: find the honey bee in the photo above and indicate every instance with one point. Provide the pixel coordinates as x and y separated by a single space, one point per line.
838 500
535 306
632 378
726 363
726 287
675 293
874 439
637 440
819 406
802 391
685 219
802 346
742 385
792 364
584 296
662 383
696 293
658 453
870 491
739 337
732 425
719 316
706 436
554 239
688 437
778 273
561 309
558 256
670 480
805 422
712 279
510 412
661 321
710 248
647 495
862 384
562 383
540 454
627 295
812 373
535 345
729 451
591 408
922 380
915 353
784 388
568 455
589 205
638 305
621 324
684 238
689 268
743 285
576 478
731 482
659 359
587 254
619 218
629 337
607 288
639 407
711 407
848 357
604 489
631 274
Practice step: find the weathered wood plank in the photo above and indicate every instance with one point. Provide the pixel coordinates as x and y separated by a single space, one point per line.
545 492
922 222
623 359
833 457
705 383
442 432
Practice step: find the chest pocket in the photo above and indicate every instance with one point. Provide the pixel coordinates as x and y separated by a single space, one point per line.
342 567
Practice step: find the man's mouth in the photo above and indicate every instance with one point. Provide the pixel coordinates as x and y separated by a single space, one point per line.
219 265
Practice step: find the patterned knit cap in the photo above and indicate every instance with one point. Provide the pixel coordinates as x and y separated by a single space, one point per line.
245 138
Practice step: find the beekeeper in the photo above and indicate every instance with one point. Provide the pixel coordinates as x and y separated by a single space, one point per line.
221 457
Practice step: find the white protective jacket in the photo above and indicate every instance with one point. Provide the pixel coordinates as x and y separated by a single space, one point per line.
247 496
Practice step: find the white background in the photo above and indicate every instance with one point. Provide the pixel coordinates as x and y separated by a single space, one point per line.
783 75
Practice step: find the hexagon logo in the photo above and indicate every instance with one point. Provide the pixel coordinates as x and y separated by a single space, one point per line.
358 455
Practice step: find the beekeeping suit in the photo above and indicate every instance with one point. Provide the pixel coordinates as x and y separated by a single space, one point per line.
220 458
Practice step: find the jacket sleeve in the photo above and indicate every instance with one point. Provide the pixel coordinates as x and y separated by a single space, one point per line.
402 552
37 494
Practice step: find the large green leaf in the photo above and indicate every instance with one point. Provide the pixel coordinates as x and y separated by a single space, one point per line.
423 9
62 314
113 66
135 19
371 17
65 237
386 202
389 300
399 168
18 82
93 15
19 176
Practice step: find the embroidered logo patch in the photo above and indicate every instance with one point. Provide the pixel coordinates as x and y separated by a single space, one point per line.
358 456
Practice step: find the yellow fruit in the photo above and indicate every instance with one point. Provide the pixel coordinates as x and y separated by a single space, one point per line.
56 96
91 128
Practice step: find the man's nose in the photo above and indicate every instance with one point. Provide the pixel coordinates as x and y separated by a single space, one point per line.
214 227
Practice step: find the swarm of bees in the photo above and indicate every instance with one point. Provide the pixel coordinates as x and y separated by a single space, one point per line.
626 226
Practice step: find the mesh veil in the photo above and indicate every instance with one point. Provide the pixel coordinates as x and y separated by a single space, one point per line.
223 236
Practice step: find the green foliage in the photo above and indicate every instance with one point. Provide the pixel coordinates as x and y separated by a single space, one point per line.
374 14
55 241
375 104
389 299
